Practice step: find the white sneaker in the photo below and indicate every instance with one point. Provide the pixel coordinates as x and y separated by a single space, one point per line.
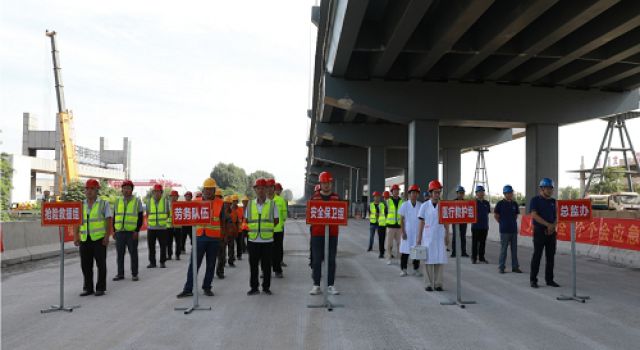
315 290
332 290
403 273
389 262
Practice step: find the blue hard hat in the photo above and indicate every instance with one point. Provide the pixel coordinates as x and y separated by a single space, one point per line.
460 189
507 189
546 182
479 188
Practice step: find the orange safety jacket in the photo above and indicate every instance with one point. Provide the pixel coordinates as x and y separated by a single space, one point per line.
244 226
213 230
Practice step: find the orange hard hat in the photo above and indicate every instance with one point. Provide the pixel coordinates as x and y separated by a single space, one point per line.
435 185
219 191
271 182
414 188
175 193
157 187
278 186
395 187
325 176
260 182
92 183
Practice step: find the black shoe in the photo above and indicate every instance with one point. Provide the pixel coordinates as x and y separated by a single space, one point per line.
473 261
381 257
151 266
516 270
99 293
282 264
118 278
369 249
184 294
501 270
169 258
253 292
177 257
439 289
484 261
85 293
231 264
163 266
279 275
267 292
220 276
239 257
552 284
534 284
208 292
429 289
134 278
464 255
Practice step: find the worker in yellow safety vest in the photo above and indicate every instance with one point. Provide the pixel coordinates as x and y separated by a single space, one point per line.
377 221
278 230
93 238
392 224
128 218
157 214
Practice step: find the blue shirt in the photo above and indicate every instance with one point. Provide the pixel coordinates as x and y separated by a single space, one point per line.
484 208
508 212
546 208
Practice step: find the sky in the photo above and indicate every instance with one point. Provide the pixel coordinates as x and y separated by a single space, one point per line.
194 83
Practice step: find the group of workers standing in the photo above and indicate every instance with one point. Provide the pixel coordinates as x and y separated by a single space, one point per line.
404 223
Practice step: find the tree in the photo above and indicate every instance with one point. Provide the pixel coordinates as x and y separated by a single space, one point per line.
251 179
230 178
613 181
6 185
74 191
569 193
108 193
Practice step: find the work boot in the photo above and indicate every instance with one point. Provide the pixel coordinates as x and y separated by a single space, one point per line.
534 284
282 264
118 278
465 255
231 264
134 278
516 270
429 289
439 289
501 270
253 292
86 292
279 275
208 292
99 293
177 257
163 266
552 284
220 276
267 291
151 266
184 294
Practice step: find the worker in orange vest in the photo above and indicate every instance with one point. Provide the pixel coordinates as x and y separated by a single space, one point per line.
208 240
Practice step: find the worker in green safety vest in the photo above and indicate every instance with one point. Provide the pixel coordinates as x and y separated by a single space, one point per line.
278 230
392 224
157 214
128 218
377 222
93 238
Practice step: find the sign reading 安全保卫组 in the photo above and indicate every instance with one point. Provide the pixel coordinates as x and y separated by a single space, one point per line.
574 210
191 213
327 212
458 212
61 214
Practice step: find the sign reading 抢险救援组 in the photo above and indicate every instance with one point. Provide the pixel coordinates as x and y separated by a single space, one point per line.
327 212
574 210
458 212
189 213
61 213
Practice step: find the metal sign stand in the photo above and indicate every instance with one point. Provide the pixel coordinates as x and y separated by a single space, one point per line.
60 307
458 300
194 265
574 296
326 303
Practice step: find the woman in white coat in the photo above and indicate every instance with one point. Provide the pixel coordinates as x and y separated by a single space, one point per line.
409 225
435 237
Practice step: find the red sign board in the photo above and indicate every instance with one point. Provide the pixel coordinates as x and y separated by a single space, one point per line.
191 213
574 210
327 212
61 213
458 212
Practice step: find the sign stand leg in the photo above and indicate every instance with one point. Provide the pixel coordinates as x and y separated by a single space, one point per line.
458 300
326 303
574 296
60 307
194 266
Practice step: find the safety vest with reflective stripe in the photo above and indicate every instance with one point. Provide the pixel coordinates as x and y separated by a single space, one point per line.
373 214
126 216
393 218
281 206
170 216
212 230
93 221
260 224
157 215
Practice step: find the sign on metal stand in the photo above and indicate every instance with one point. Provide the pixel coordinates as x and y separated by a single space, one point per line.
328 213
573 211
455 213
191 213
61 214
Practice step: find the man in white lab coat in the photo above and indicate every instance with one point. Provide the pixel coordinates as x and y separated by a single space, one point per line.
409 224
435 237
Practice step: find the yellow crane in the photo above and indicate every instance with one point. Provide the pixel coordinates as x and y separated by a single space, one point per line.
67 164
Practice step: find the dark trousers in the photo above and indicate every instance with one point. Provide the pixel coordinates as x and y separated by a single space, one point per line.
90 251
222 257
210 248
278 251
174 234
478 242
161 237
463 240
186 232
381 236
317 247
506 240
547 243
260 255
404 261
240 244
124 242
231 250
169 245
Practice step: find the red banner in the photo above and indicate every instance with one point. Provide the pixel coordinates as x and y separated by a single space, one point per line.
191 213
61 214
327 212
458 212
574 210
616 233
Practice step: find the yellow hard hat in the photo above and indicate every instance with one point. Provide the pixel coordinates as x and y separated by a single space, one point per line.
218 191
234 197
245 198
227 199
209 183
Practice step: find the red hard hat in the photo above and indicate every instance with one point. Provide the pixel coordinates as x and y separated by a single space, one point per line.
435 185
260 182
316 188
386 194
271 182
127 183
157 187
278 186
198 194
188 193
414 188
395 187
92 183
325 176
175 193
376 193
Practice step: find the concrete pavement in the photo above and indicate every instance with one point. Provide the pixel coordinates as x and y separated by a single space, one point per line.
382 310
